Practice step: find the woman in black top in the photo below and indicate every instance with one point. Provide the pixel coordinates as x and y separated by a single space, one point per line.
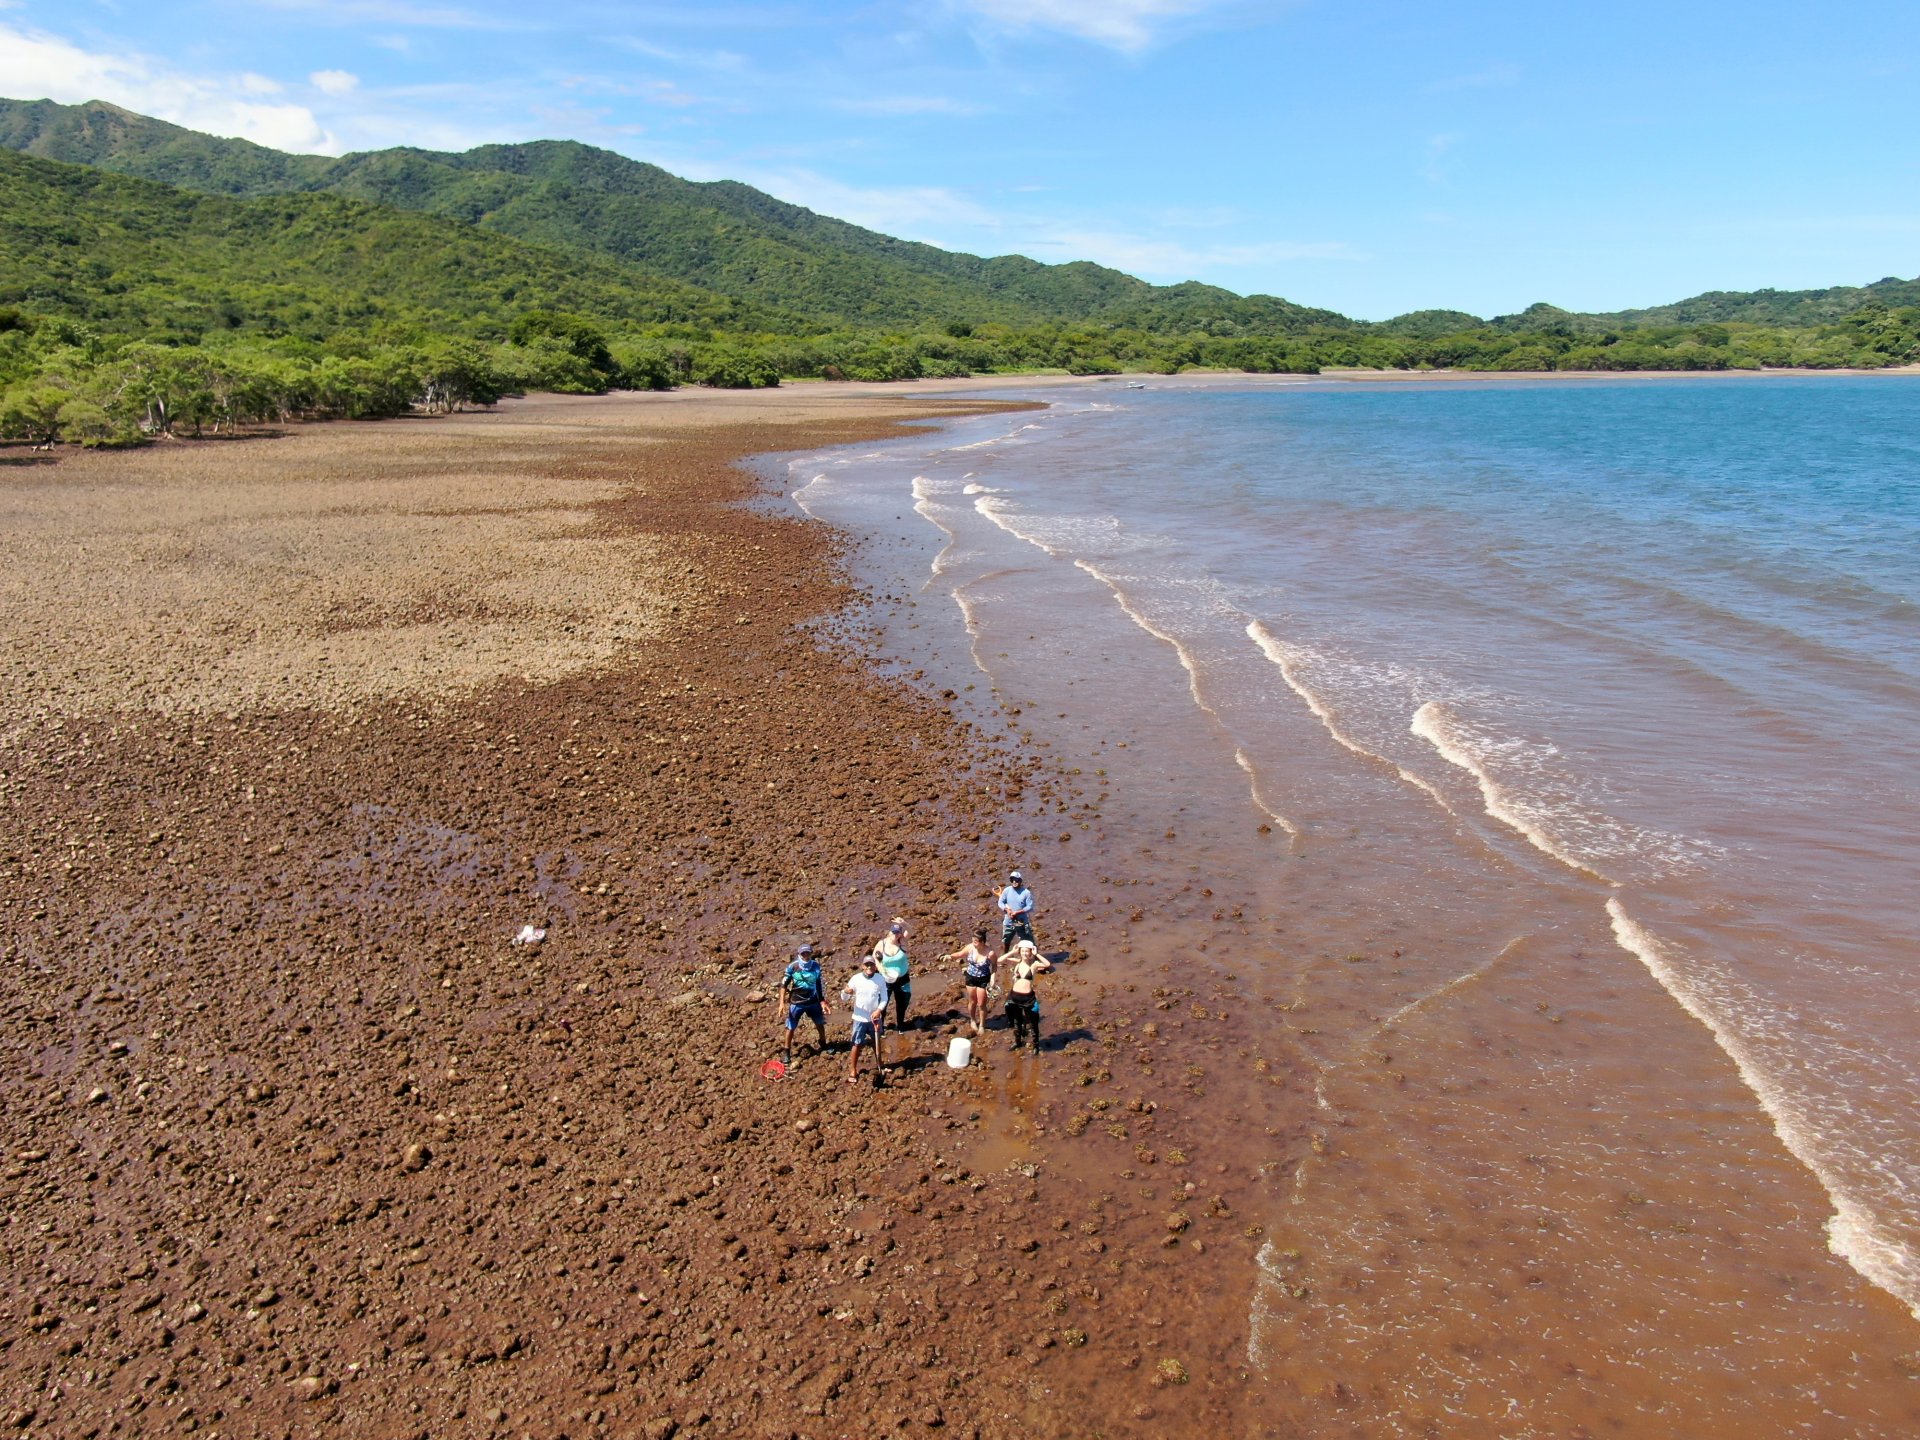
976 973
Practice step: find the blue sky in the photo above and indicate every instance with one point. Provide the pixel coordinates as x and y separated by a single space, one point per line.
1370 157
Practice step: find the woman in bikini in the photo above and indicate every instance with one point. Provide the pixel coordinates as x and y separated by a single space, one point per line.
976 973
1023 1006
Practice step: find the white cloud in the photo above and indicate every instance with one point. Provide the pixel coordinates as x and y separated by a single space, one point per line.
397 12
253 84
910 212
1499 76
665 92
723 61
1433 165
334 82
34 65
1161 260
907 105
1127 25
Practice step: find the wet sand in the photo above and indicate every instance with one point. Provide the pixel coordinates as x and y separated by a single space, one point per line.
299 732
1512 1187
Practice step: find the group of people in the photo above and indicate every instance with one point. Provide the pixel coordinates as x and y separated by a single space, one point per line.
885 979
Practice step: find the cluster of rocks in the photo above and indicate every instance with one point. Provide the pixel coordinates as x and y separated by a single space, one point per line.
299 1143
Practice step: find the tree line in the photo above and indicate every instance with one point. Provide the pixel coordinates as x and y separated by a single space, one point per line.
62 380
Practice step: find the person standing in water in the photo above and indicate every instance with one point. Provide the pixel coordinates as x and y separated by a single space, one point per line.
976 973
1016 911
1023 1006
803 993
890 955
868 992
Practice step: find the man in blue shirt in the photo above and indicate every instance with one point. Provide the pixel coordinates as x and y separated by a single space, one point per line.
1016 911
803 993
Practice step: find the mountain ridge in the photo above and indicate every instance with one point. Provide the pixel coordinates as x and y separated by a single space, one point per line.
720 235
726 236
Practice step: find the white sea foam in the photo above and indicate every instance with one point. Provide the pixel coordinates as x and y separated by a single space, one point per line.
1854 1232
799 497
1000 515
997 512
925 506
1529 786
1465 977
1288 659
1437 724
1245 762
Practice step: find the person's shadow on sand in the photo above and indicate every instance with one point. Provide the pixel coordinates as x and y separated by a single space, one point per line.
914 1064
1062 1039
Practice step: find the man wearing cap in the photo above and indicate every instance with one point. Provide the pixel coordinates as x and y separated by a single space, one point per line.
868 992
801 992
1016 911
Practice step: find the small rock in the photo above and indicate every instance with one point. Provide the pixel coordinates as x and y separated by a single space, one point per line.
1173 1372
312 1387
96 1095
806 1125
756 997
194 1311
266 1295
662 1427
415 1157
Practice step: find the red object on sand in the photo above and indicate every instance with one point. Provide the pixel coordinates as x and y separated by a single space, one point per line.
773 1070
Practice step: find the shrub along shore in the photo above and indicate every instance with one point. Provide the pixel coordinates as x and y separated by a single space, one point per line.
64 381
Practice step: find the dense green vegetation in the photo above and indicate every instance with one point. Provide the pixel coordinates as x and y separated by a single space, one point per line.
237 285
721 236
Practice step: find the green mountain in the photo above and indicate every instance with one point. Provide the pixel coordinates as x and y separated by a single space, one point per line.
1427 324
243 286
1791 309
1773 307
135 257
721 236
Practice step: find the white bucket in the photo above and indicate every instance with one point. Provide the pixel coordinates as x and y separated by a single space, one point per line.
959 1052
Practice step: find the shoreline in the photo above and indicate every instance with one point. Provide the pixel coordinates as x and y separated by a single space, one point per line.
301 1141
1345 1237
550 1185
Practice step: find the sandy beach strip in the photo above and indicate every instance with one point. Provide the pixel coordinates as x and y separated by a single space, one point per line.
298 733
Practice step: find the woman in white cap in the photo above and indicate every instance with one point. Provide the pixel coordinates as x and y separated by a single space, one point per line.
1023 1006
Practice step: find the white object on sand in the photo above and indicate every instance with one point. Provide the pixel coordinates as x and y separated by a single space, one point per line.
529 935
959 1052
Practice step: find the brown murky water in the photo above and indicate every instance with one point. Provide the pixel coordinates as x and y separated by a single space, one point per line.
1518 1171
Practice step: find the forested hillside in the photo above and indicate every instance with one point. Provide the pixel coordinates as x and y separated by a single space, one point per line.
721 235
240 284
